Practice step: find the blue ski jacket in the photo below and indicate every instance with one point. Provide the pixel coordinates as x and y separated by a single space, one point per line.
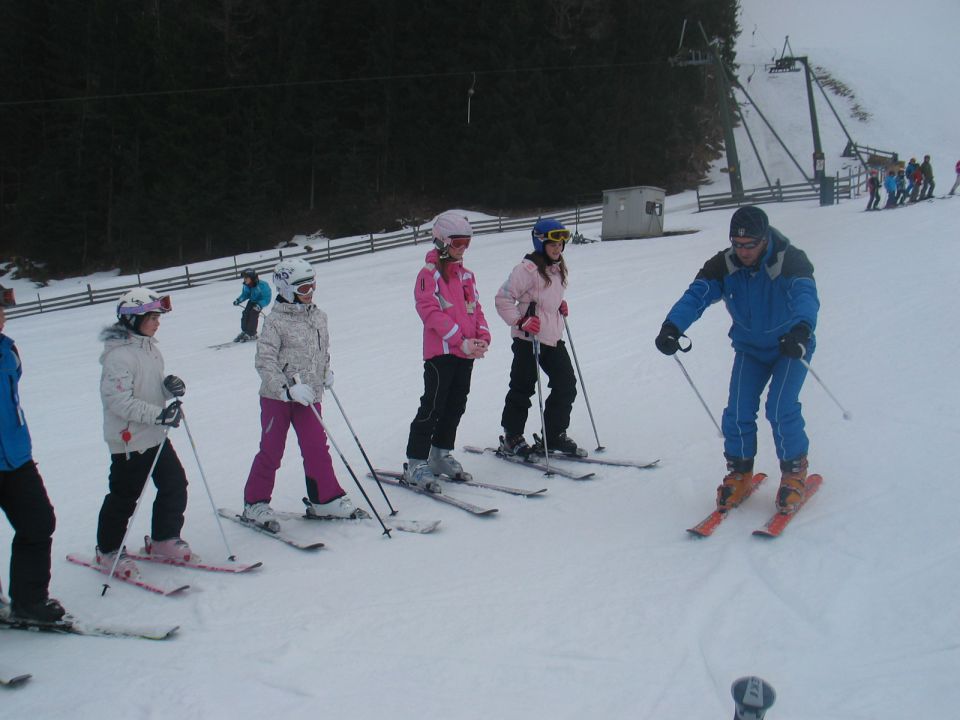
15 446
764 302
259 294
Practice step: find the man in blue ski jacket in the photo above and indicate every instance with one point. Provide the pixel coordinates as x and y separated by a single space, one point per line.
257 294
22 495
768 287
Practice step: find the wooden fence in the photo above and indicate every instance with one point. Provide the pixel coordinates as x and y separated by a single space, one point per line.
844 187
331 250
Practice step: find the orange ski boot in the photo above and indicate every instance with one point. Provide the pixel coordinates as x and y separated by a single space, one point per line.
736 485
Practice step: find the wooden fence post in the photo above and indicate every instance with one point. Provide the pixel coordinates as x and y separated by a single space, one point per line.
186 271
40 302
89 293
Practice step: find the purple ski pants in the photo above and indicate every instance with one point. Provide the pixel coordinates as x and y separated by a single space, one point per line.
276 416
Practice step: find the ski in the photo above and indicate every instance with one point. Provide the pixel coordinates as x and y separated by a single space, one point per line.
145 556
441 497
712 521
778 523
530 464
422 527
14 681
139 582
72 626
275 534
471 483
641 464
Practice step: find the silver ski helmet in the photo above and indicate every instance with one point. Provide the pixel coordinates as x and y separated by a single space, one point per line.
292 274
136 303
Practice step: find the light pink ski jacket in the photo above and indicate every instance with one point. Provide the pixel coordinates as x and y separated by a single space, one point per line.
450 308
524 286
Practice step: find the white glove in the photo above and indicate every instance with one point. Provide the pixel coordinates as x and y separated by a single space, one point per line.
474 348
328 379
301 393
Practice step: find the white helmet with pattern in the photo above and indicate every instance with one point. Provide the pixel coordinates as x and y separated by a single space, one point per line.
451 226
291 275
136 303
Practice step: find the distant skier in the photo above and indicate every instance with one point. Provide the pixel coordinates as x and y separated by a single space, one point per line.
531 303
926 192
136 425
890 185
455 333
23 497
257 294
293 360
956 183
901 197
873 188
768 287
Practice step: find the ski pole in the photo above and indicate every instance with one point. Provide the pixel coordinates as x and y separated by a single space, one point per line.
702 401
362 451
143 490
543 425
846 413
230 556
566 325
343 459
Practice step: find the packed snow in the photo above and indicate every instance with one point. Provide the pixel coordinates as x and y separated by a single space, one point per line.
592 600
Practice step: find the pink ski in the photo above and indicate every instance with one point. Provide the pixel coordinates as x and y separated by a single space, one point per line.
140 583
145 556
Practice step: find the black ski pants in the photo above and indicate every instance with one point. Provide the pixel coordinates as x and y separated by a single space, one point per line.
250 320
446 384
24 500
523 384
128 475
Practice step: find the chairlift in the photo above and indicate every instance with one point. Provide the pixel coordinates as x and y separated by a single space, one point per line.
691 57
784 63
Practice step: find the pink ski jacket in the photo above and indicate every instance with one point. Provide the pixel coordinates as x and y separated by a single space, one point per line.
450 308
526 285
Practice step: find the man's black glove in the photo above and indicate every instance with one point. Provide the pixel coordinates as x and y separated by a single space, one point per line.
174 385
170 415
794 343
668 341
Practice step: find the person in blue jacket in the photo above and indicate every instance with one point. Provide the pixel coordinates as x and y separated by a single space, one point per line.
257 294
890 185
22 495
768 287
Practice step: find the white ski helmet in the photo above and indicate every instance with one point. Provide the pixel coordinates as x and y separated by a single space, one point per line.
136 303
290 274
449 225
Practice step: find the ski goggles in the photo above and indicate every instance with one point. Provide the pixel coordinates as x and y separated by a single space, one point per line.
748 245
306 288
160 305
557 236
459 241
7 298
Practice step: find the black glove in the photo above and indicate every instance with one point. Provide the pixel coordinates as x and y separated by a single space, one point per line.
237 302
170 415
668 341
794 343
174 385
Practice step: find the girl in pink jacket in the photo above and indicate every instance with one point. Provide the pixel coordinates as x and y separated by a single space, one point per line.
455 333
531 303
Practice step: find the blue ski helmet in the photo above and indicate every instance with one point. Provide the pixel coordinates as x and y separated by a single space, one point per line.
548 230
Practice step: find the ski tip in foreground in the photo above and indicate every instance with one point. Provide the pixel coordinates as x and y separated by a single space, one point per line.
14 681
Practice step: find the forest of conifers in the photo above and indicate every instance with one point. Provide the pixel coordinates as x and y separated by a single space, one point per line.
141 133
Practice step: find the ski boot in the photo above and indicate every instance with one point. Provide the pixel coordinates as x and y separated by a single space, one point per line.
47 610
126 568
341 507
442 462
792 492
514 445
261 515
172 549
736 483
417 472
560 445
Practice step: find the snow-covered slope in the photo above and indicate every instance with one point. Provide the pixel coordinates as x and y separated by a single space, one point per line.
591 601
